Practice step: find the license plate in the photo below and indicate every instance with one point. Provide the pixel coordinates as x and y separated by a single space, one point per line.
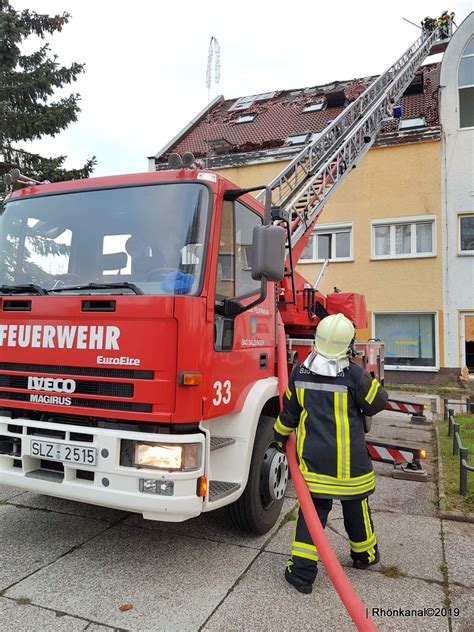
63 452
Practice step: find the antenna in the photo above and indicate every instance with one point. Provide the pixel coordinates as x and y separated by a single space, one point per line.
213 55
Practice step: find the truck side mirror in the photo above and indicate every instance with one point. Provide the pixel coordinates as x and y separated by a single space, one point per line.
268 253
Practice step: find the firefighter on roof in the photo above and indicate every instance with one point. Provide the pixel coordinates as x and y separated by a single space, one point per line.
326 402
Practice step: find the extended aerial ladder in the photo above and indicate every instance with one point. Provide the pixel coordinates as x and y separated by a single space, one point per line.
302 188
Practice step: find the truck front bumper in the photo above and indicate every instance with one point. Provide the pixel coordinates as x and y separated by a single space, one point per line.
107 483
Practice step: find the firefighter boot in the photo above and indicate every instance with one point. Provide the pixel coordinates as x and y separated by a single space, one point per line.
363 561
303 580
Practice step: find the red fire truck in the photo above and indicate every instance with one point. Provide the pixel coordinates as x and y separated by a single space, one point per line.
139 318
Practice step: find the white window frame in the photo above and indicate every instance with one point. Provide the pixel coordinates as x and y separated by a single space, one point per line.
393 221
411 123
461 129
340 227
243 103
463 253
314 107
290 139
246 118
398 367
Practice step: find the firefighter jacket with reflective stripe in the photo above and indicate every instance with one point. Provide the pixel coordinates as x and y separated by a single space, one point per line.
328 416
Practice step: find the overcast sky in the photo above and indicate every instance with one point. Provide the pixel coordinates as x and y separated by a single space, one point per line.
145 75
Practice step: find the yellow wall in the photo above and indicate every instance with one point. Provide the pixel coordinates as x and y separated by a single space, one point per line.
390 182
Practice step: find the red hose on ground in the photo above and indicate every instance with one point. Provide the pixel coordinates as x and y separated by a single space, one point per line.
346 592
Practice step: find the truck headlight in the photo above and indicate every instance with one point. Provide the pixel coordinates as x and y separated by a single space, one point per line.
168 456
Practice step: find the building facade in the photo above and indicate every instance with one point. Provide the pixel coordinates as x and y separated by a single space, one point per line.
383 229
457 185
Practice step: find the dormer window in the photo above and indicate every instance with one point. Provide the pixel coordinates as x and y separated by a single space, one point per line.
314 107
246 118
245 102
297 139
411 123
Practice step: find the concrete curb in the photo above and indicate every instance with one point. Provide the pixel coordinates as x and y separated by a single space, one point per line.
457 516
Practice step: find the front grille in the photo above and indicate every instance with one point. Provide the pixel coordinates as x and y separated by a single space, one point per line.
82 403
127 374
84 387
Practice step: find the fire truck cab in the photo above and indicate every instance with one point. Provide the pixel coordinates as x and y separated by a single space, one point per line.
137 350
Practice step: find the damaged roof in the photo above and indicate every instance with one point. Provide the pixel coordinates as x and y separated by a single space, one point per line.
261 127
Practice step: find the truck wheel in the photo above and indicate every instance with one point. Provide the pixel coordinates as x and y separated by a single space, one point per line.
258 508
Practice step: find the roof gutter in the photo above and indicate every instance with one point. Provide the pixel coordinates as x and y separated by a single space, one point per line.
180 135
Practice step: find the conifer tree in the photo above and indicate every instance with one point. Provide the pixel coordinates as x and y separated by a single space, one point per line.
28 110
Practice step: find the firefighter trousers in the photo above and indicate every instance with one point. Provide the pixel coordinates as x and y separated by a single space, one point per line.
303 562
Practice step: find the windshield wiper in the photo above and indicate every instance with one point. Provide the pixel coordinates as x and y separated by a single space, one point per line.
31 288
99 286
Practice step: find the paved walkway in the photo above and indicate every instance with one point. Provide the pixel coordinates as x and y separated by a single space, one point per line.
65 566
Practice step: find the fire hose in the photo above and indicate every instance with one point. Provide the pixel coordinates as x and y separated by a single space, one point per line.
343 586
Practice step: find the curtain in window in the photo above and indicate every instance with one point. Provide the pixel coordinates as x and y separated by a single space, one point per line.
382 240
424 237
403 239
409 338
323 250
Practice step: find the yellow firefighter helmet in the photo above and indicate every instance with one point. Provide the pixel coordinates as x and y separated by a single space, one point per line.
334 336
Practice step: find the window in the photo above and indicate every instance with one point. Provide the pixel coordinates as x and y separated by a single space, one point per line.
417 121
234 278
296 139
333 242
409 339
154 236
245 102
314 107
466 86
403 239
416 86
246 118
466 234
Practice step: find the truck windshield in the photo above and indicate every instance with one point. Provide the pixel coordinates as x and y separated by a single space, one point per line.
151 236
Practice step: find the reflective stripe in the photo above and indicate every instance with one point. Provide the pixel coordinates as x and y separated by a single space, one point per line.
328 388
301 435
372 397
365 512
298 395
311 477
281 428
369 398
333 490
340 446
308 551
346 464
362 547
288 392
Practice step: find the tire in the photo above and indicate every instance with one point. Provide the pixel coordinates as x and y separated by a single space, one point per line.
250 512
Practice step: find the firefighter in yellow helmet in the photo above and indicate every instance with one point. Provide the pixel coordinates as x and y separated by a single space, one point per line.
326 401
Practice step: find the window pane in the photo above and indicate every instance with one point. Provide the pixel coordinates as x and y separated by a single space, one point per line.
308 249
469 50
409 338
466 107
382 240
245 222
323 250
467 233
403 239
466 72
343 245
225 279
424 237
